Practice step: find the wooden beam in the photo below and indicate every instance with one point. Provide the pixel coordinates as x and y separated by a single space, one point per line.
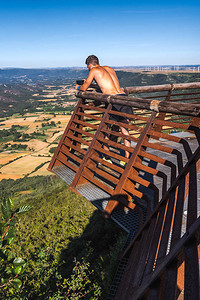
163 87
154 105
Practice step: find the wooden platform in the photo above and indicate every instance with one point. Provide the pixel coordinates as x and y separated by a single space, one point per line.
143 196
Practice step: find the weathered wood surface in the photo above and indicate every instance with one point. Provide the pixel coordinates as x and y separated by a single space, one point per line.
154 105
163 87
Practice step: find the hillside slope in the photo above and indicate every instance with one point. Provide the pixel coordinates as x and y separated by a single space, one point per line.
60 227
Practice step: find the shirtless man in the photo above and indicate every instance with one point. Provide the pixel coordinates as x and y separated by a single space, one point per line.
108 82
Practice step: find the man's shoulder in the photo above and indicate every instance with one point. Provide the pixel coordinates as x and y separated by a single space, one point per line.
107 68
97 70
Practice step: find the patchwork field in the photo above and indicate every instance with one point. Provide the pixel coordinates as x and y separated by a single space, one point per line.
35 158
24 165
26 121
7 157
42 171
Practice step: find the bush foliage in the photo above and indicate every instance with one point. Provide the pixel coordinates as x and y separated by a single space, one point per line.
11 267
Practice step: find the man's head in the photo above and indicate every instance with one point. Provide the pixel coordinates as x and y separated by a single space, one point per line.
92 60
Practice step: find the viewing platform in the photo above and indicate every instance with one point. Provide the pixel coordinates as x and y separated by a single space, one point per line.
154 194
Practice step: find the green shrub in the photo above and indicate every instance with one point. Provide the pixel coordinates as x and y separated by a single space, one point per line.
11 267
79 285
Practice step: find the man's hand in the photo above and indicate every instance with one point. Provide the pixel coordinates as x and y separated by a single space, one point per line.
77 86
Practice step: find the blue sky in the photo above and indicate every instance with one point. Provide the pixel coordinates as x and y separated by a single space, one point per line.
63 33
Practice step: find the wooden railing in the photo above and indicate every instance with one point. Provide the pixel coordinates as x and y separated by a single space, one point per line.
159 179
163 257
81 147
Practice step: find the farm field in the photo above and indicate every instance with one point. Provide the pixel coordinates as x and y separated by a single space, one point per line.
26 140
16 164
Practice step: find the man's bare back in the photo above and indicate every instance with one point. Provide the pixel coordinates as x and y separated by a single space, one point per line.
106 79
108 82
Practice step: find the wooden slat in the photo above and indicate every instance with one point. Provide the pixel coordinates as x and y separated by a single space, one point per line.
191 286
93 108
74 147
86 133
127 126
150 170
153 248
89 116
86 124
160 147
165 136
62 158
192 197
121 135
107 164
176 232
171 124
171 281
116 145
103 174
65 151
74 138
97 183
110 153
161 161
146 183
164 239
130 188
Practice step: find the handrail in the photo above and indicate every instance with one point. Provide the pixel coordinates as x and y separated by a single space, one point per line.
188 109
162 87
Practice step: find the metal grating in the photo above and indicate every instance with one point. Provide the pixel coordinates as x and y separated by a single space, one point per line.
118 276
94 194
64 173
127 219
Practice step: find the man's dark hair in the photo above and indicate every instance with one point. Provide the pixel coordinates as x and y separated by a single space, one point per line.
92 59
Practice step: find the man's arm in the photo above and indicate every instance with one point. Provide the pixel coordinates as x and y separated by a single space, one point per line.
87 82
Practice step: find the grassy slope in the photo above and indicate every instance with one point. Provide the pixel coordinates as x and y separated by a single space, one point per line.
61 226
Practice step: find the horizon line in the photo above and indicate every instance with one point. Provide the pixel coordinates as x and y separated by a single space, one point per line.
125 66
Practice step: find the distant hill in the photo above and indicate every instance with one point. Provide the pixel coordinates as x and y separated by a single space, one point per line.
41 75
69 75
148 78
17 86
